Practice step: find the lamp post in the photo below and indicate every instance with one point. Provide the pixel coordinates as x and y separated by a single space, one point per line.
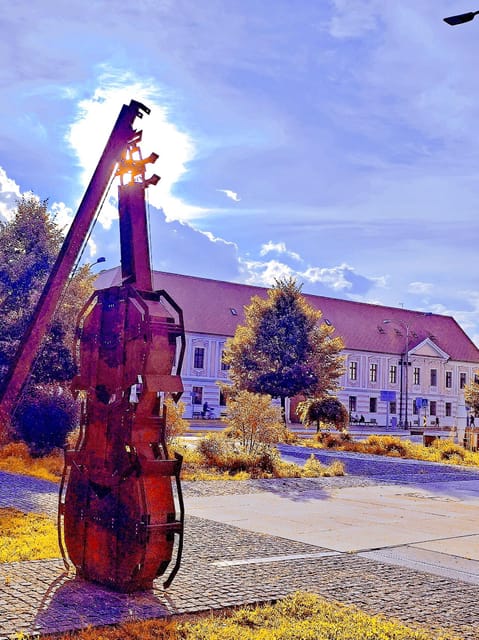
461 18
404 361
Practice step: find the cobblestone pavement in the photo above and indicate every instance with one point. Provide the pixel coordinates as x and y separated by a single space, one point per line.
225 566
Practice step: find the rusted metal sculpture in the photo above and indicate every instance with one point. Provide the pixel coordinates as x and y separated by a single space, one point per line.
117 508
117 503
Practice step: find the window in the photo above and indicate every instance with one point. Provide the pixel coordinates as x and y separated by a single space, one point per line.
352 404
199 358
393 374
416 375
224 366
392 407
462 380
433 377
449 409
448 379
197 395
373 405
373 372
353 370
432 408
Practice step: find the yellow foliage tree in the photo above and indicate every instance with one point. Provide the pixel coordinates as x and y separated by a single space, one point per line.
176 425
254 421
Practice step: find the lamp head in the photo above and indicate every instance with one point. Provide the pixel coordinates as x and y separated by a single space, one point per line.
461 18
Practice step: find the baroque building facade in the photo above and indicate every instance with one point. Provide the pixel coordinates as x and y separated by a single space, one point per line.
402 367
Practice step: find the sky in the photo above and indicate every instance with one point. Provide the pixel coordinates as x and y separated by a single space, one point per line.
333 141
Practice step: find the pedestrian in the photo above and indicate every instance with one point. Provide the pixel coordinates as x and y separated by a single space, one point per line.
205 409
437 421
471 421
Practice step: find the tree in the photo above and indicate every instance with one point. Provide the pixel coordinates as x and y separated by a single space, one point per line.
471 394
327 410
29 245
283 349
253 421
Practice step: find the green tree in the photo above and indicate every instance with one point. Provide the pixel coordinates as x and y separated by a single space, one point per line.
283 349
327 410
29 245
471 394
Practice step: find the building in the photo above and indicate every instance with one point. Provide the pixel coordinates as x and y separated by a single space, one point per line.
441 357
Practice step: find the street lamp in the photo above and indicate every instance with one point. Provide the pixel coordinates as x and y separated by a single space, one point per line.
402 363
461 18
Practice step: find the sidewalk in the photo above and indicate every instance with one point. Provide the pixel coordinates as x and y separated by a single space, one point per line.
408 551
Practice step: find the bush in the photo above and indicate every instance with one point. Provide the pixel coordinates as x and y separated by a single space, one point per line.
176 425
388 445
448 450
254 421
44 418
226 455
332 440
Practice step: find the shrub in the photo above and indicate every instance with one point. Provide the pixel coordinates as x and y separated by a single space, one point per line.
388 445
254 421
227 455
332 440
44 418
448 450
175 424
313 468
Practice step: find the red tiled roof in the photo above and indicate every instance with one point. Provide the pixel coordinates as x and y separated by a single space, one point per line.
207 307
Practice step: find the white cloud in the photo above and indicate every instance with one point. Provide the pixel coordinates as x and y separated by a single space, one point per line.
9 193
62 215
264 274
97 115
333 277
277 247
230 194
341 280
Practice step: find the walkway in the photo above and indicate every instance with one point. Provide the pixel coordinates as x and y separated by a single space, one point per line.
260 540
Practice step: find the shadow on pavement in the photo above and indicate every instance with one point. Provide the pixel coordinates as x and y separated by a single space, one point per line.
72 603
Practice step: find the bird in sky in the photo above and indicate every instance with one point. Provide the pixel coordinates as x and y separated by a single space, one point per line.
230 194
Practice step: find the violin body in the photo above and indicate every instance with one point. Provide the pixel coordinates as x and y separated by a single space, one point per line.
117 501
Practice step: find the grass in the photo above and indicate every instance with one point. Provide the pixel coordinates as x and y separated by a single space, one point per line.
15 458
444 450
27 536
301 616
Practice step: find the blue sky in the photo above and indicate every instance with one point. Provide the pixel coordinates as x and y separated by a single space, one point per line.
334 140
